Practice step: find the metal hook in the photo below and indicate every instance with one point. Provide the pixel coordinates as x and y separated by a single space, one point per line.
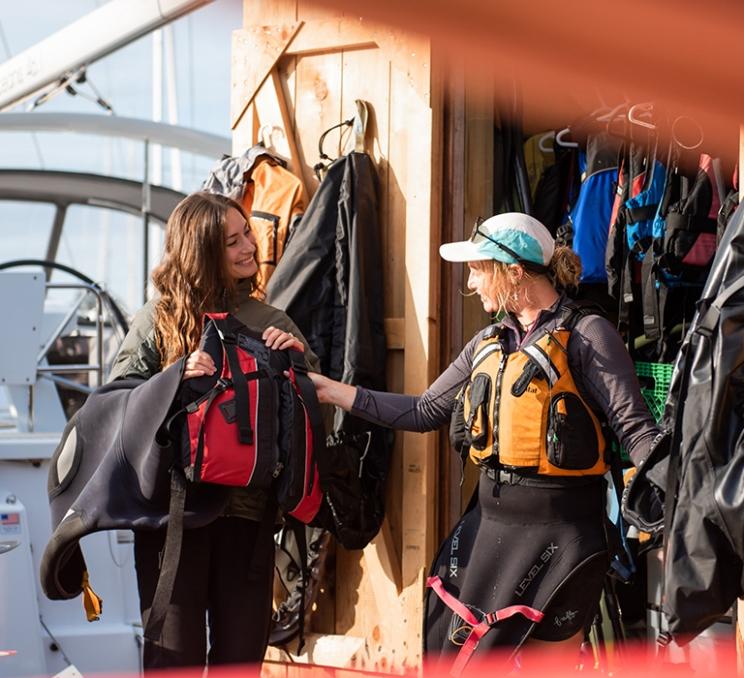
542 142
695 124
646 107
607 117
559 139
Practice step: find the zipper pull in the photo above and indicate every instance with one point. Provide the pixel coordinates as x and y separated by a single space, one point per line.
277 470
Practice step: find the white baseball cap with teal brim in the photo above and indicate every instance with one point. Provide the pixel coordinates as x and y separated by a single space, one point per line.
512 238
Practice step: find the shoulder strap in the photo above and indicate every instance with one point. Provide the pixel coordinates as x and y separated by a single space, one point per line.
310 398
242 397
492 331
573 310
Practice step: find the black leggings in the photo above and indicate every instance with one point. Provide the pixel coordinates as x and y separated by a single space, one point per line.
226 572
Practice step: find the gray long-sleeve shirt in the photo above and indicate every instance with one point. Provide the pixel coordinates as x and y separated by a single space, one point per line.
599 362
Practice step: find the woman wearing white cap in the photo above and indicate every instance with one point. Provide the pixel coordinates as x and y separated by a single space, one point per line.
529 399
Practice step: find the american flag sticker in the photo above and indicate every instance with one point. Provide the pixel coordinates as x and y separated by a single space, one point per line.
10 523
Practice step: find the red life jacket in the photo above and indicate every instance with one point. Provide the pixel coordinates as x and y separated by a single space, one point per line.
249 425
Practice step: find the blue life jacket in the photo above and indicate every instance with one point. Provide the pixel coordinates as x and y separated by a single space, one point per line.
591 214
642 212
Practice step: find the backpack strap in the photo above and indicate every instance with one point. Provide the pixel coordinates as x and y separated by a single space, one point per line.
306 388
242 396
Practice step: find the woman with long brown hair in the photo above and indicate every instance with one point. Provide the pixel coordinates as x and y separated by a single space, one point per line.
225 573
529 399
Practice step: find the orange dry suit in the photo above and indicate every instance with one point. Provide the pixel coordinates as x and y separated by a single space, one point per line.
523 409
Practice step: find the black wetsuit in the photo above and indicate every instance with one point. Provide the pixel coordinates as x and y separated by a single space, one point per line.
526 540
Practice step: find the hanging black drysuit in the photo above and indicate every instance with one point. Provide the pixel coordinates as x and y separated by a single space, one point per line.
704 452
330 283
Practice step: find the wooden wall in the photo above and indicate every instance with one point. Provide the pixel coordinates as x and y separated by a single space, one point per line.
297 71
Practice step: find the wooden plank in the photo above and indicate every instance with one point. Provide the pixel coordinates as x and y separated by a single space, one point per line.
267 12
289 130
395 329
451 340
411 156
479 140
384 559
366 76
408 53
317 105
332 35
325 650
244 135
310 10
255 52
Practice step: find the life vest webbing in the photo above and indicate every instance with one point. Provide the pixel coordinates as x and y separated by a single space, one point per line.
543 360
484 353
478 628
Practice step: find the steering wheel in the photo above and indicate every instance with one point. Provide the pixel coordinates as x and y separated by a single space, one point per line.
113 308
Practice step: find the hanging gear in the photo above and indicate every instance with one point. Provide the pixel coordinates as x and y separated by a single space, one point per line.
539 420
293 611
329 282
695 468
271 196
586 229
685 233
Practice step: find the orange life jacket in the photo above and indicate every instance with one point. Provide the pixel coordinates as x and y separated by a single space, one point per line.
523 409
272 199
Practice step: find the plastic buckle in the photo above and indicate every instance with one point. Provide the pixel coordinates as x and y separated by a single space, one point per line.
506 477
298 364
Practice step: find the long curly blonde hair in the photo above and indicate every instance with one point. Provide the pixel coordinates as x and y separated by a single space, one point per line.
191 277
564 271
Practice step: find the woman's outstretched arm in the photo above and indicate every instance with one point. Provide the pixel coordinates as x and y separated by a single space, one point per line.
426 412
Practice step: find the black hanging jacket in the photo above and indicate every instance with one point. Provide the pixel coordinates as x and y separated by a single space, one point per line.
330 279
330 283
704 452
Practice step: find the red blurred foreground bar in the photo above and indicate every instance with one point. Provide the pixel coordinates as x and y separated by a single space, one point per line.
636 661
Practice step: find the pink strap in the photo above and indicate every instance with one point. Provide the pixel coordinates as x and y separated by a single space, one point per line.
436 584
479 629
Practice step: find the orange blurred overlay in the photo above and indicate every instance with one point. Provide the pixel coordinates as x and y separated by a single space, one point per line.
572 56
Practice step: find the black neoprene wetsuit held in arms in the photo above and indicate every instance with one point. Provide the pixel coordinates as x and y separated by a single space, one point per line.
537 541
